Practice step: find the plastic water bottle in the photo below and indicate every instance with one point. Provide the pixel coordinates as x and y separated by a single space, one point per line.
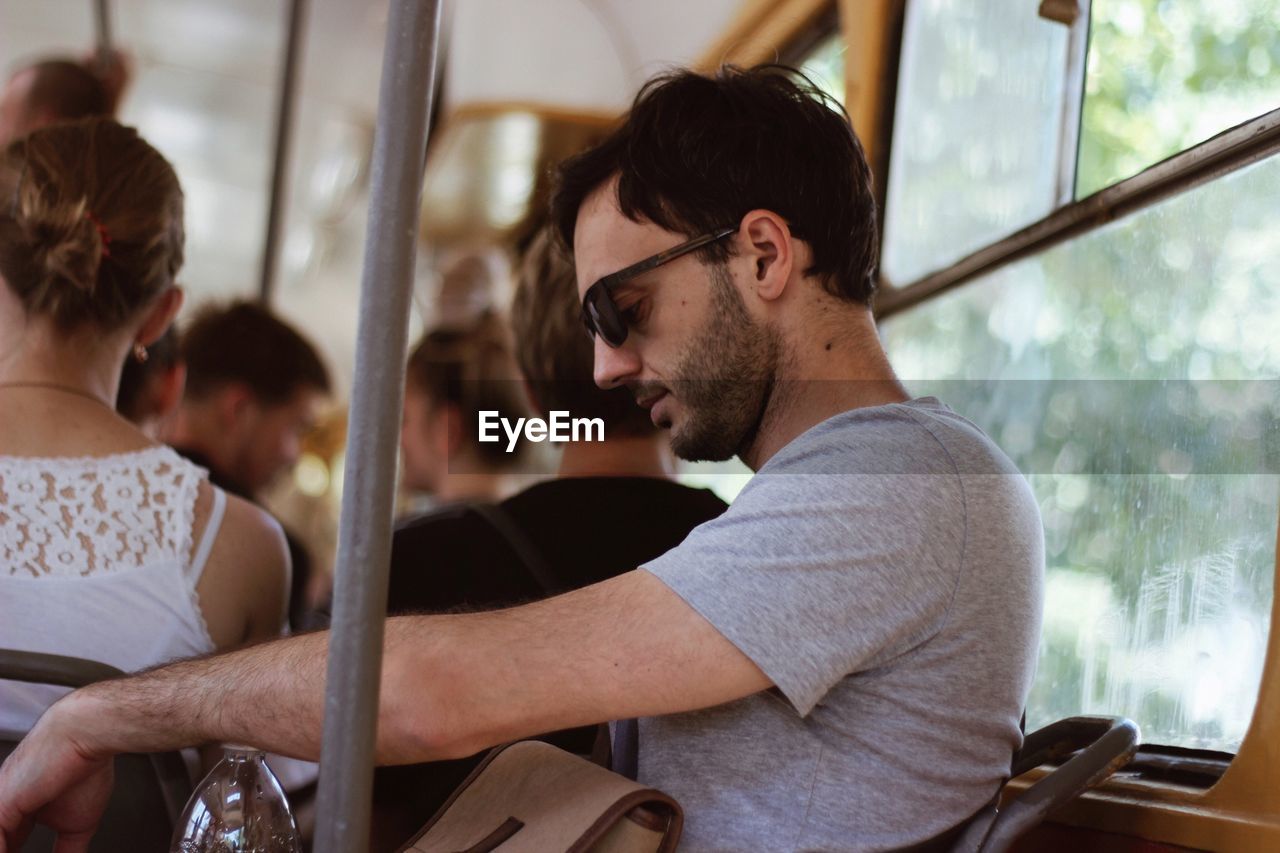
238 808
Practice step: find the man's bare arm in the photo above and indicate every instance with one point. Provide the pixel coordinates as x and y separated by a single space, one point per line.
451 685
626 647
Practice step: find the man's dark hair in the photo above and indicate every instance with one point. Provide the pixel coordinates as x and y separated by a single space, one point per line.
553 350
246 343
67 91
696 153
162 355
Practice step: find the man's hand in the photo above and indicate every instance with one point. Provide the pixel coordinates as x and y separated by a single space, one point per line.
54 780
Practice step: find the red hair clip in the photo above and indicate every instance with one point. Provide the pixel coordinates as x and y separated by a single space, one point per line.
102 232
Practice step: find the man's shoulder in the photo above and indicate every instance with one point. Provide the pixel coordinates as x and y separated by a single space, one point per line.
437 525
610 494
450 557
921 436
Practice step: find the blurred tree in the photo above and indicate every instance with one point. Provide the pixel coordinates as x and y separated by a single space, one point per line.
1164 75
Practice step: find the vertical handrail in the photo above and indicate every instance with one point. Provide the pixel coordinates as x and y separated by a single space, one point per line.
285 115
102 25
364 539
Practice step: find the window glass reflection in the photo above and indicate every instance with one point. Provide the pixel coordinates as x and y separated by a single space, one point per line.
976 130
1134 375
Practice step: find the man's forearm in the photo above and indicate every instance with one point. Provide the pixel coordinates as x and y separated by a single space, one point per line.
270 696
450 685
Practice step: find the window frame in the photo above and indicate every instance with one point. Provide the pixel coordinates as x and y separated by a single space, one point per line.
1227 151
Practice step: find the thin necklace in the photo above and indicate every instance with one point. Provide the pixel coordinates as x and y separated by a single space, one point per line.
54 386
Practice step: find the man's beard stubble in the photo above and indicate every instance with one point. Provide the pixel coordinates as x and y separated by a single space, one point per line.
726 378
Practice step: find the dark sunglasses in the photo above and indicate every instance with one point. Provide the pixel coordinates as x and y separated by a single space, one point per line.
600 313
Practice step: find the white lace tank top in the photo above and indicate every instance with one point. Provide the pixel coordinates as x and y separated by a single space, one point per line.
97 561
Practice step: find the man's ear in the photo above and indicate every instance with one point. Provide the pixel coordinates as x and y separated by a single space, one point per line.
766 241
534 406
171 384
160 316
444 426
454 426
233 401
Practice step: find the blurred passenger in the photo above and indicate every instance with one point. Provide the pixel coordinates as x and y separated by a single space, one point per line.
113 548
57 90
613 507
454 373
470 282
151 389
254 389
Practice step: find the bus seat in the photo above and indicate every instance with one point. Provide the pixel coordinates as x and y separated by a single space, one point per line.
1101 746
150 790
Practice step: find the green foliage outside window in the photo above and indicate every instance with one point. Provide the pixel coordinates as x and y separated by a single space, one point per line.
1164 75
1134 375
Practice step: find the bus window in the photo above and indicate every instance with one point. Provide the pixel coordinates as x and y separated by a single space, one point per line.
1164 76
824 65
976 130
1127 362
1141 420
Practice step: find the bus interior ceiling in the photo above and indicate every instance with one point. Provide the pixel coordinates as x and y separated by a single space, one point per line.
205 89
1077 253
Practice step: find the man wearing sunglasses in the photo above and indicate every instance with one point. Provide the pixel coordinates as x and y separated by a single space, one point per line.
838 662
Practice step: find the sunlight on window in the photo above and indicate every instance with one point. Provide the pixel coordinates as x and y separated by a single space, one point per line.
976 131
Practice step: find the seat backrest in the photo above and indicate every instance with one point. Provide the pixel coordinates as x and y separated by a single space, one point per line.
150 790
1101 746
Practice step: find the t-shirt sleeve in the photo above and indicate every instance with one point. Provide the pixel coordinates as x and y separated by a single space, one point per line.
817 576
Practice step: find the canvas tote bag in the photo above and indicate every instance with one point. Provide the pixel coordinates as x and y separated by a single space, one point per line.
530 797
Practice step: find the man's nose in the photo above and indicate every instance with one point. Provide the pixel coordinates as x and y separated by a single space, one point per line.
614 365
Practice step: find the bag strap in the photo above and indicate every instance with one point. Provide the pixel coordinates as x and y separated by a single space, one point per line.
500 520
626 748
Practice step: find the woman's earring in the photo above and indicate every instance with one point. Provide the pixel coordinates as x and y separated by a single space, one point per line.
140 353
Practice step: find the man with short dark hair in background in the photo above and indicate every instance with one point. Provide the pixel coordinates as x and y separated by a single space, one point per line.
254 389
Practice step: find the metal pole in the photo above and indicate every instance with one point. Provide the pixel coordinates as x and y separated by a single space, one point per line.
103 24
285 110
102 18
364 540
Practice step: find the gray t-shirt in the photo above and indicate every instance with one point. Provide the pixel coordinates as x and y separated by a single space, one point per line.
884 570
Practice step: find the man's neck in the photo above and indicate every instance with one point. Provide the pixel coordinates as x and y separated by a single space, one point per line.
485 486
832 369
631 456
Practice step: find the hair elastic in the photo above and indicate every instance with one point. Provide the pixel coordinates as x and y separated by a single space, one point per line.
102 232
